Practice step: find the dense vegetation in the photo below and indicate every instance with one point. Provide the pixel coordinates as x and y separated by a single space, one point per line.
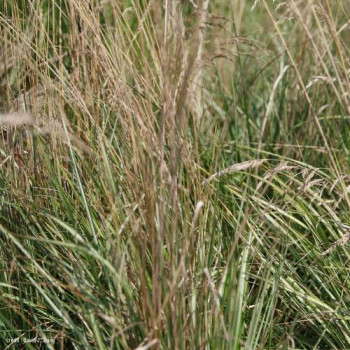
174 174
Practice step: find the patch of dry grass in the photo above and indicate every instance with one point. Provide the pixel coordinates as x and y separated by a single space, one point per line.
114 233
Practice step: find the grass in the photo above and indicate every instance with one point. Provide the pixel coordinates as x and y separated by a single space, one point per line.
174 175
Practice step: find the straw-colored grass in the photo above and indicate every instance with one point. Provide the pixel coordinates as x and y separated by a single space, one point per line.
174 174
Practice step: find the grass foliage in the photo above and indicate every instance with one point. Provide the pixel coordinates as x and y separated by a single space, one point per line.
174 174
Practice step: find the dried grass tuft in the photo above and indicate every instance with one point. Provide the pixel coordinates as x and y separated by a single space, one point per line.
16 119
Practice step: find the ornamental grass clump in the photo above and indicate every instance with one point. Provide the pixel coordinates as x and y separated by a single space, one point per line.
174 175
